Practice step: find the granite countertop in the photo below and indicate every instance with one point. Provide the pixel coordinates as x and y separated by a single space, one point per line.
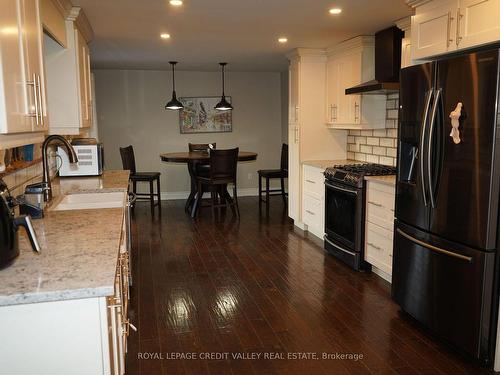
323 164
388 180
79 249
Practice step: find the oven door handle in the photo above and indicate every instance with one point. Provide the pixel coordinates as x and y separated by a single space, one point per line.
338 247
340 188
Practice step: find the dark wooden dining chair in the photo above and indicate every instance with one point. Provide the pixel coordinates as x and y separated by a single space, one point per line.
128 162
197 169
223 169
269 174
201 168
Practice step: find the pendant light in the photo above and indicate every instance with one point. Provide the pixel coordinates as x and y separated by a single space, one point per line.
173 104
223 105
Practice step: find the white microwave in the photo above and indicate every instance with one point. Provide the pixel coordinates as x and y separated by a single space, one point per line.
90 161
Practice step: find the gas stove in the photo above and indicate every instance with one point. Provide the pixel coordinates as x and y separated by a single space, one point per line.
353 174
345 198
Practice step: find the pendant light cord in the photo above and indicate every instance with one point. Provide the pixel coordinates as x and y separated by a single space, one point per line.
173 76
223 81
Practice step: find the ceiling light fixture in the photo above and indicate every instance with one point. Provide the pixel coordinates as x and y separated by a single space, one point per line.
173 104
282 40
165 36
176 3
223 105
335 11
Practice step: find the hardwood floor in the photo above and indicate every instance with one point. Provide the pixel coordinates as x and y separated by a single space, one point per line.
255 287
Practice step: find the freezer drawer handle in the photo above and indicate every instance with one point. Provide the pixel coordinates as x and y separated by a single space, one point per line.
434 248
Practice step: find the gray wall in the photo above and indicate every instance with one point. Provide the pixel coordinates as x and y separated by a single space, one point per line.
130 110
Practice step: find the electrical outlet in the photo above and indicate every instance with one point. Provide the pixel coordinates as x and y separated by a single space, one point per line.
250 176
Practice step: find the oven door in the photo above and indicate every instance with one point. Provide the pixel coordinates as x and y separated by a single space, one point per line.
343 214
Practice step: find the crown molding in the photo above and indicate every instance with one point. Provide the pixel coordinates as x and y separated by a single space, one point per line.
308 53
417 3
404 23
63 6
78 16
358 42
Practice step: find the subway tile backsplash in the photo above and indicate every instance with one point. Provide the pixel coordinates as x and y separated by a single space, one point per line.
380 145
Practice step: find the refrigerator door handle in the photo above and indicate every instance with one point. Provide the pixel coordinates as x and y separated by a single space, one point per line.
428 97
434 248
429 146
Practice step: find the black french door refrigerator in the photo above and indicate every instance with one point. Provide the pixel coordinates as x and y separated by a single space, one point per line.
447 193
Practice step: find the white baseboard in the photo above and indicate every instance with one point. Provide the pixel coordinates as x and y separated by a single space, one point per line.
172 195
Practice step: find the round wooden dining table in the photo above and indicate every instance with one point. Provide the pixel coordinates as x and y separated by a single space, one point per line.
191 158
199 156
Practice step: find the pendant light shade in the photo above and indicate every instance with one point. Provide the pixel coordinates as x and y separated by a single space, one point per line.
173 104
223 105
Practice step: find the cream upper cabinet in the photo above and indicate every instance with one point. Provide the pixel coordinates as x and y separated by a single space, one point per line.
83 61
294 83
333 78
349 64
404 24
479 22
69 81
22 79
434 31
442 26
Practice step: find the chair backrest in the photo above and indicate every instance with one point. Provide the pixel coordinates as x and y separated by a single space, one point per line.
284 157
223 163
128 158
201 146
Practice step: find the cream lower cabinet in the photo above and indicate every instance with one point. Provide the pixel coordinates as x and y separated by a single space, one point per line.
349 64
443 26
379 227
313 200
72 337
22 78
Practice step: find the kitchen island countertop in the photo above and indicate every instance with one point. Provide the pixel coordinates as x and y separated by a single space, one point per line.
79 248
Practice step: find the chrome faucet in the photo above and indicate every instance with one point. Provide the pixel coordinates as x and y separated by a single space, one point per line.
47 193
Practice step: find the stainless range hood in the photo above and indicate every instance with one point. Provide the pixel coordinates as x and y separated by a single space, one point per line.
387 64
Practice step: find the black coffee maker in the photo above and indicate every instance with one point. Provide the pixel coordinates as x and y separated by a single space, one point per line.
9 242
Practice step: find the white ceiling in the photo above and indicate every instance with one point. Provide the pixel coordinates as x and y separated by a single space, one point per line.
242 32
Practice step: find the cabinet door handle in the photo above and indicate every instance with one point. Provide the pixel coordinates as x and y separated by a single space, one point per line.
40 99
296 132
310 212
311 181
296 114
459 18
448 30
375 247
375 204
35 96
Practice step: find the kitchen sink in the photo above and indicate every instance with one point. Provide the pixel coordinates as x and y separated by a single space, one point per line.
89 201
